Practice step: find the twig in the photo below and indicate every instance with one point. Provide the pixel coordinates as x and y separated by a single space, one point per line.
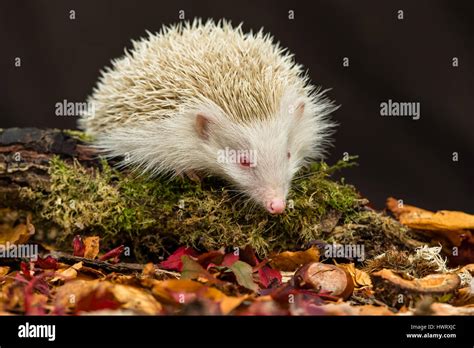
121 267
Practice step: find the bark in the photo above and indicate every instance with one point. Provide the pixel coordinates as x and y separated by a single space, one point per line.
25 155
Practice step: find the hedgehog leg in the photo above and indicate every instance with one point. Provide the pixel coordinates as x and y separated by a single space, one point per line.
192 175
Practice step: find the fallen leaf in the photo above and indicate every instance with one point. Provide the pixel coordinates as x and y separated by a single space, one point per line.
193 270
79 247
360 278
211 257
34 303
4 270
291 260
47 263
247 255
427 220
91 247
185 290
149 270
173 262
68 273
433 284
264 308
100 297
229 303
94 295
465 296
112 254
14 235
344 308
136 299
243 274
268 276
229 259
447 309
25 270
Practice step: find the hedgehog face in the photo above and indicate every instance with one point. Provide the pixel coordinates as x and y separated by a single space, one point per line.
260 157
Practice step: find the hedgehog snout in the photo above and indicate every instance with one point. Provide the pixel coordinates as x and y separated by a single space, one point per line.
275 206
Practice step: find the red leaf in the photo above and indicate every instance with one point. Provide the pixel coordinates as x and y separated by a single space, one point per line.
173 262
229 259
247 255
47 263
25 269
268 276
79 247
113 254
36 283
97 300
211 257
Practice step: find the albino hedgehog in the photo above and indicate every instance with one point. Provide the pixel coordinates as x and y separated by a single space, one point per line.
183 98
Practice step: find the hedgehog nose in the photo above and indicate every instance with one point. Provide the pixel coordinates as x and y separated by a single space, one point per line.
276 206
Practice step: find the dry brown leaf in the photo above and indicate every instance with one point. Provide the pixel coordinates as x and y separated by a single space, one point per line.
229 303
4 270
400 209
16 235
373 310
136 299
163 289
12 294
447 309
431 284
91 245
68 273
291 260
344 308
130 297
465 296
149 270
426 220
469 268
361 279
439 221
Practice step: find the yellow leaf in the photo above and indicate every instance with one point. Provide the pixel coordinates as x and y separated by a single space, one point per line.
443 220
291 260
163 288
68 273
229 303
4 270
360 278
16 235
91 245
130 297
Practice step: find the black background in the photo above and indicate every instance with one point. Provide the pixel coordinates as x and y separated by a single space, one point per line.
406 60
249 331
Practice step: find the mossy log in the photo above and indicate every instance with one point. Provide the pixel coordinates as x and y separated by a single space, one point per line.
25 154
59 179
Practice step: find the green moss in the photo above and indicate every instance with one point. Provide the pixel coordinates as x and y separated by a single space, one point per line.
154 215
81 136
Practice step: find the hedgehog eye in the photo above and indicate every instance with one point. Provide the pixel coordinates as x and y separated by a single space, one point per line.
288 154
244 161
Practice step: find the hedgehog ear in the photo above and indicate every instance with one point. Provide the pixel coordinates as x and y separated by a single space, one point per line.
299 110
202 126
